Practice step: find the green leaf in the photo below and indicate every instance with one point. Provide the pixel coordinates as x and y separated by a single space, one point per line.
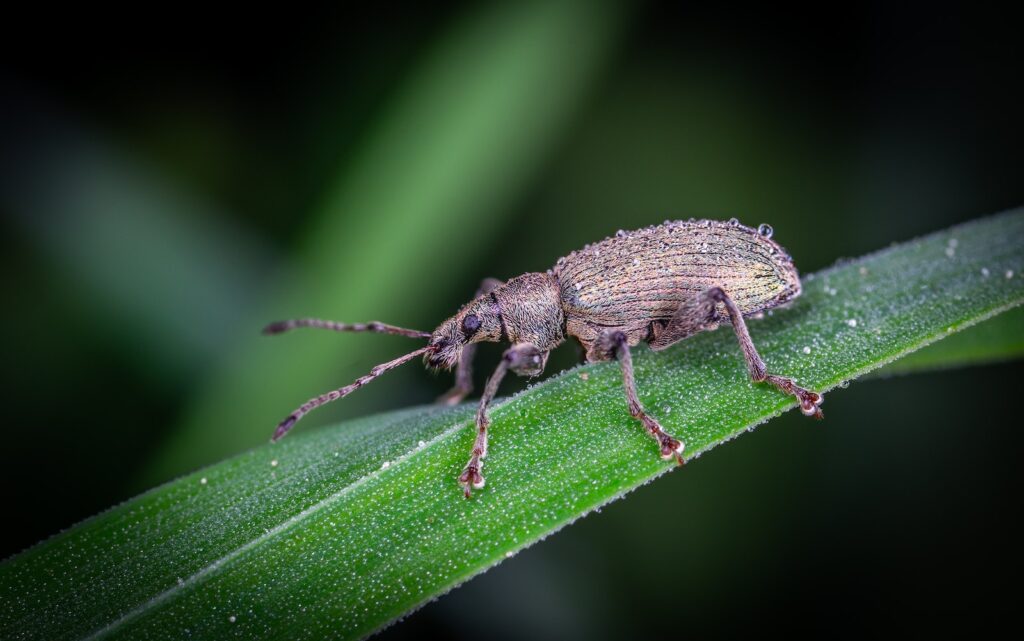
997 339
337 532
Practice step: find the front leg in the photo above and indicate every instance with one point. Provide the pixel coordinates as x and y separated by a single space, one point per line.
464 370
524 359
810 402
615 343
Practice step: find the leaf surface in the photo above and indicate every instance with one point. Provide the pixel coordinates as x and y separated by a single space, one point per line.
334 533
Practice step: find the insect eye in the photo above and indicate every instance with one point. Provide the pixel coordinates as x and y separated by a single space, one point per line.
470 324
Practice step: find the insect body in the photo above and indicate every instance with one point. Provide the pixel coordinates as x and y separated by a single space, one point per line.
659 284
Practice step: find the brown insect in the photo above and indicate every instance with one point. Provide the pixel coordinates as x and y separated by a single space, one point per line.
660 284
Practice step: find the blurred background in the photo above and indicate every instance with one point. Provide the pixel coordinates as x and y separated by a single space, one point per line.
170 183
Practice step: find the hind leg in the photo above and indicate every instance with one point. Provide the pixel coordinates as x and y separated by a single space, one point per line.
700 314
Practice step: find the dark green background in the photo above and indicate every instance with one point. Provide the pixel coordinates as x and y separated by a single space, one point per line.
845 133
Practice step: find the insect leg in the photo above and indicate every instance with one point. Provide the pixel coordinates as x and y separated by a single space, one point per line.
614 342
810 402
524 359
694 315
464 370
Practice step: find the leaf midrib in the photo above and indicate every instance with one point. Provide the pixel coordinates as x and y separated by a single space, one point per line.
271 533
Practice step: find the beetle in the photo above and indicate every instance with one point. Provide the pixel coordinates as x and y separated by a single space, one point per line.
659 284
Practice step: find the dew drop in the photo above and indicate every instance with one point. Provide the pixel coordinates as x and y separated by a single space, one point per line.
807 350
852 322
1009 274
202 481
232 619
765 230
620 234
734 222
844 384
985 272
273 463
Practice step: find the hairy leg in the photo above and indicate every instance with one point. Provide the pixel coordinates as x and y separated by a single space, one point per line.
810 402
524 359
615 343
464 369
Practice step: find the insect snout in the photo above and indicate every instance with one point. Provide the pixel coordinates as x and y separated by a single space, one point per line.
433 357
442 353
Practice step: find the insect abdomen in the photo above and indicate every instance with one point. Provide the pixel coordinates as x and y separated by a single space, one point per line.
633 278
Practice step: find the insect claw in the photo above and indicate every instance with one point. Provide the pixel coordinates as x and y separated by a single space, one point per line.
810 403
471 478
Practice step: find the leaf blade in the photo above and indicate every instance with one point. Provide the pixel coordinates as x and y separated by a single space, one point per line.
312 546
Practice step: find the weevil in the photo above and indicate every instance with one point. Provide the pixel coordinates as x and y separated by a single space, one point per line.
660 284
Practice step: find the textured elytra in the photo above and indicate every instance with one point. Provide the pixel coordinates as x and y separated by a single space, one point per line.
638 277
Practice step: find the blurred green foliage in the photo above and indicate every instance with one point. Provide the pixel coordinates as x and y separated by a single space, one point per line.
423 195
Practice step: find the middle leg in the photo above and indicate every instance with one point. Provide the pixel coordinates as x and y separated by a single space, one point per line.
614 343
701 313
